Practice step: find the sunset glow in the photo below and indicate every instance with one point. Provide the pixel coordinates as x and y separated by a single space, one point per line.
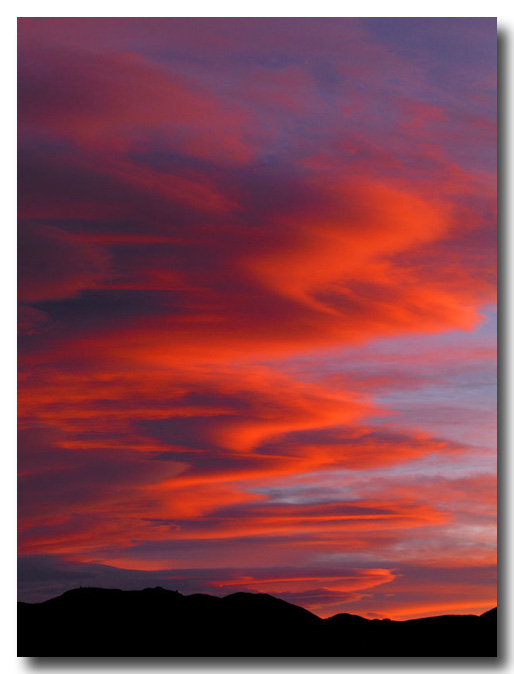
257 309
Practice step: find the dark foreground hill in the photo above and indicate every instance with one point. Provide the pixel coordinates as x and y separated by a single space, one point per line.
157 622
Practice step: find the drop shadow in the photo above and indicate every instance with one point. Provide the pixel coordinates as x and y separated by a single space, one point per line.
388 663
504 338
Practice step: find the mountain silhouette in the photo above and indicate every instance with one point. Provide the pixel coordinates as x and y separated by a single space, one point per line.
155 622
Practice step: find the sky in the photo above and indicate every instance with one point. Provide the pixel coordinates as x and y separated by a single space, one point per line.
257 309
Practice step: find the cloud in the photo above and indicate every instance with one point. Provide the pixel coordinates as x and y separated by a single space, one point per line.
54 265
256 272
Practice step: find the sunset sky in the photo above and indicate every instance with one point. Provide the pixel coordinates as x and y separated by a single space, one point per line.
257 309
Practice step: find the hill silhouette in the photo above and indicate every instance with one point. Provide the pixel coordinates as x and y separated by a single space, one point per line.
156 622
